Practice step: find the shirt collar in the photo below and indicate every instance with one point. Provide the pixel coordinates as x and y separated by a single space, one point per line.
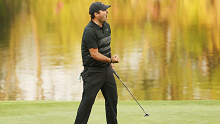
97 26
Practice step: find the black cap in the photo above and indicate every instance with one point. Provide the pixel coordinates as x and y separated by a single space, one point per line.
96 6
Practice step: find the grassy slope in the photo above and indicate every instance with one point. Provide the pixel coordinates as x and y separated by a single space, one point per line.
162 112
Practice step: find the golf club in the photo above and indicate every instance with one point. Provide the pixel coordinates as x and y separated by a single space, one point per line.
145 114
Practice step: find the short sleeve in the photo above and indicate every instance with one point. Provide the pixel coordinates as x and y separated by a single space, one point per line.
90 38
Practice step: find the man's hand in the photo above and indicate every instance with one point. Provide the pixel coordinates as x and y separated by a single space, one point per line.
115 59
112 65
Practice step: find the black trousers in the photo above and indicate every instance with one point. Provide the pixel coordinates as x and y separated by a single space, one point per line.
94 79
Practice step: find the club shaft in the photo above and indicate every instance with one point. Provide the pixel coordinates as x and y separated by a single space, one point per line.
129 91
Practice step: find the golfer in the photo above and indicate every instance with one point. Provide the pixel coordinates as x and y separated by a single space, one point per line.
98 65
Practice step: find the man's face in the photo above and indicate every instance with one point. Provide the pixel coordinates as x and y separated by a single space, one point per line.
102 16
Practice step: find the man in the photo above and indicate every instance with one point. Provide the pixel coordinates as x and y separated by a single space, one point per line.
98 65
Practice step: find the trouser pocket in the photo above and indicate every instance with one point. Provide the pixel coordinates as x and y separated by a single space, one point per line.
84 74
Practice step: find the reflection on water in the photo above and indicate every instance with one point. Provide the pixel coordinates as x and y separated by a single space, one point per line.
169 50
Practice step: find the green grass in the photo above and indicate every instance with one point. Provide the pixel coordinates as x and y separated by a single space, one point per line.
162 112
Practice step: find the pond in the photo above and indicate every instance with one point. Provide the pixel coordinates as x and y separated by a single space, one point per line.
168 49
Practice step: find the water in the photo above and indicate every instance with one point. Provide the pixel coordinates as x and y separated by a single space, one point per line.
169 50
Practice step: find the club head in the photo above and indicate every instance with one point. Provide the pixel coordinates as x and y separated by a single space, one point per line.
148 114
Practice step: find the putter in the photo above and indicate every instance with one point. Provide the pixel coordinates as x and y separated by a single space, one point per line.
145 114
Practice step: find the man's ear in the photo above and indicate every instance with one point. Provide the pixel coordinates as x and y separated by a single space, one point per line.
95 14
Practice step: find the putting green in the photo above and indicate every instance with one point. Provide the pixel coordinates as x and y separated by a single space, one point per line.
63 112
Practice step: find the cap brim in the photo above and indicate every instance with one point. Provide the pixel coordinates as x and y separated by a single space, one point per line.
106 7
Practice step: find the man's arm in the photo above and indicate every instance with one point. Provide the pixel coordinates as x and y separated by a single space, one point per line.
99 57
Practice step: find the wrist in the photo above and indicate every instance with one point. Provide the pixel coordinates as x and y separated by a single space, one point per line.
111 60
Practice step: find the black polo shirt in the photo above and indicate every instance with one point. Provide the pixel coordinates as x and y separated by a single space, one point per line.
95 36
